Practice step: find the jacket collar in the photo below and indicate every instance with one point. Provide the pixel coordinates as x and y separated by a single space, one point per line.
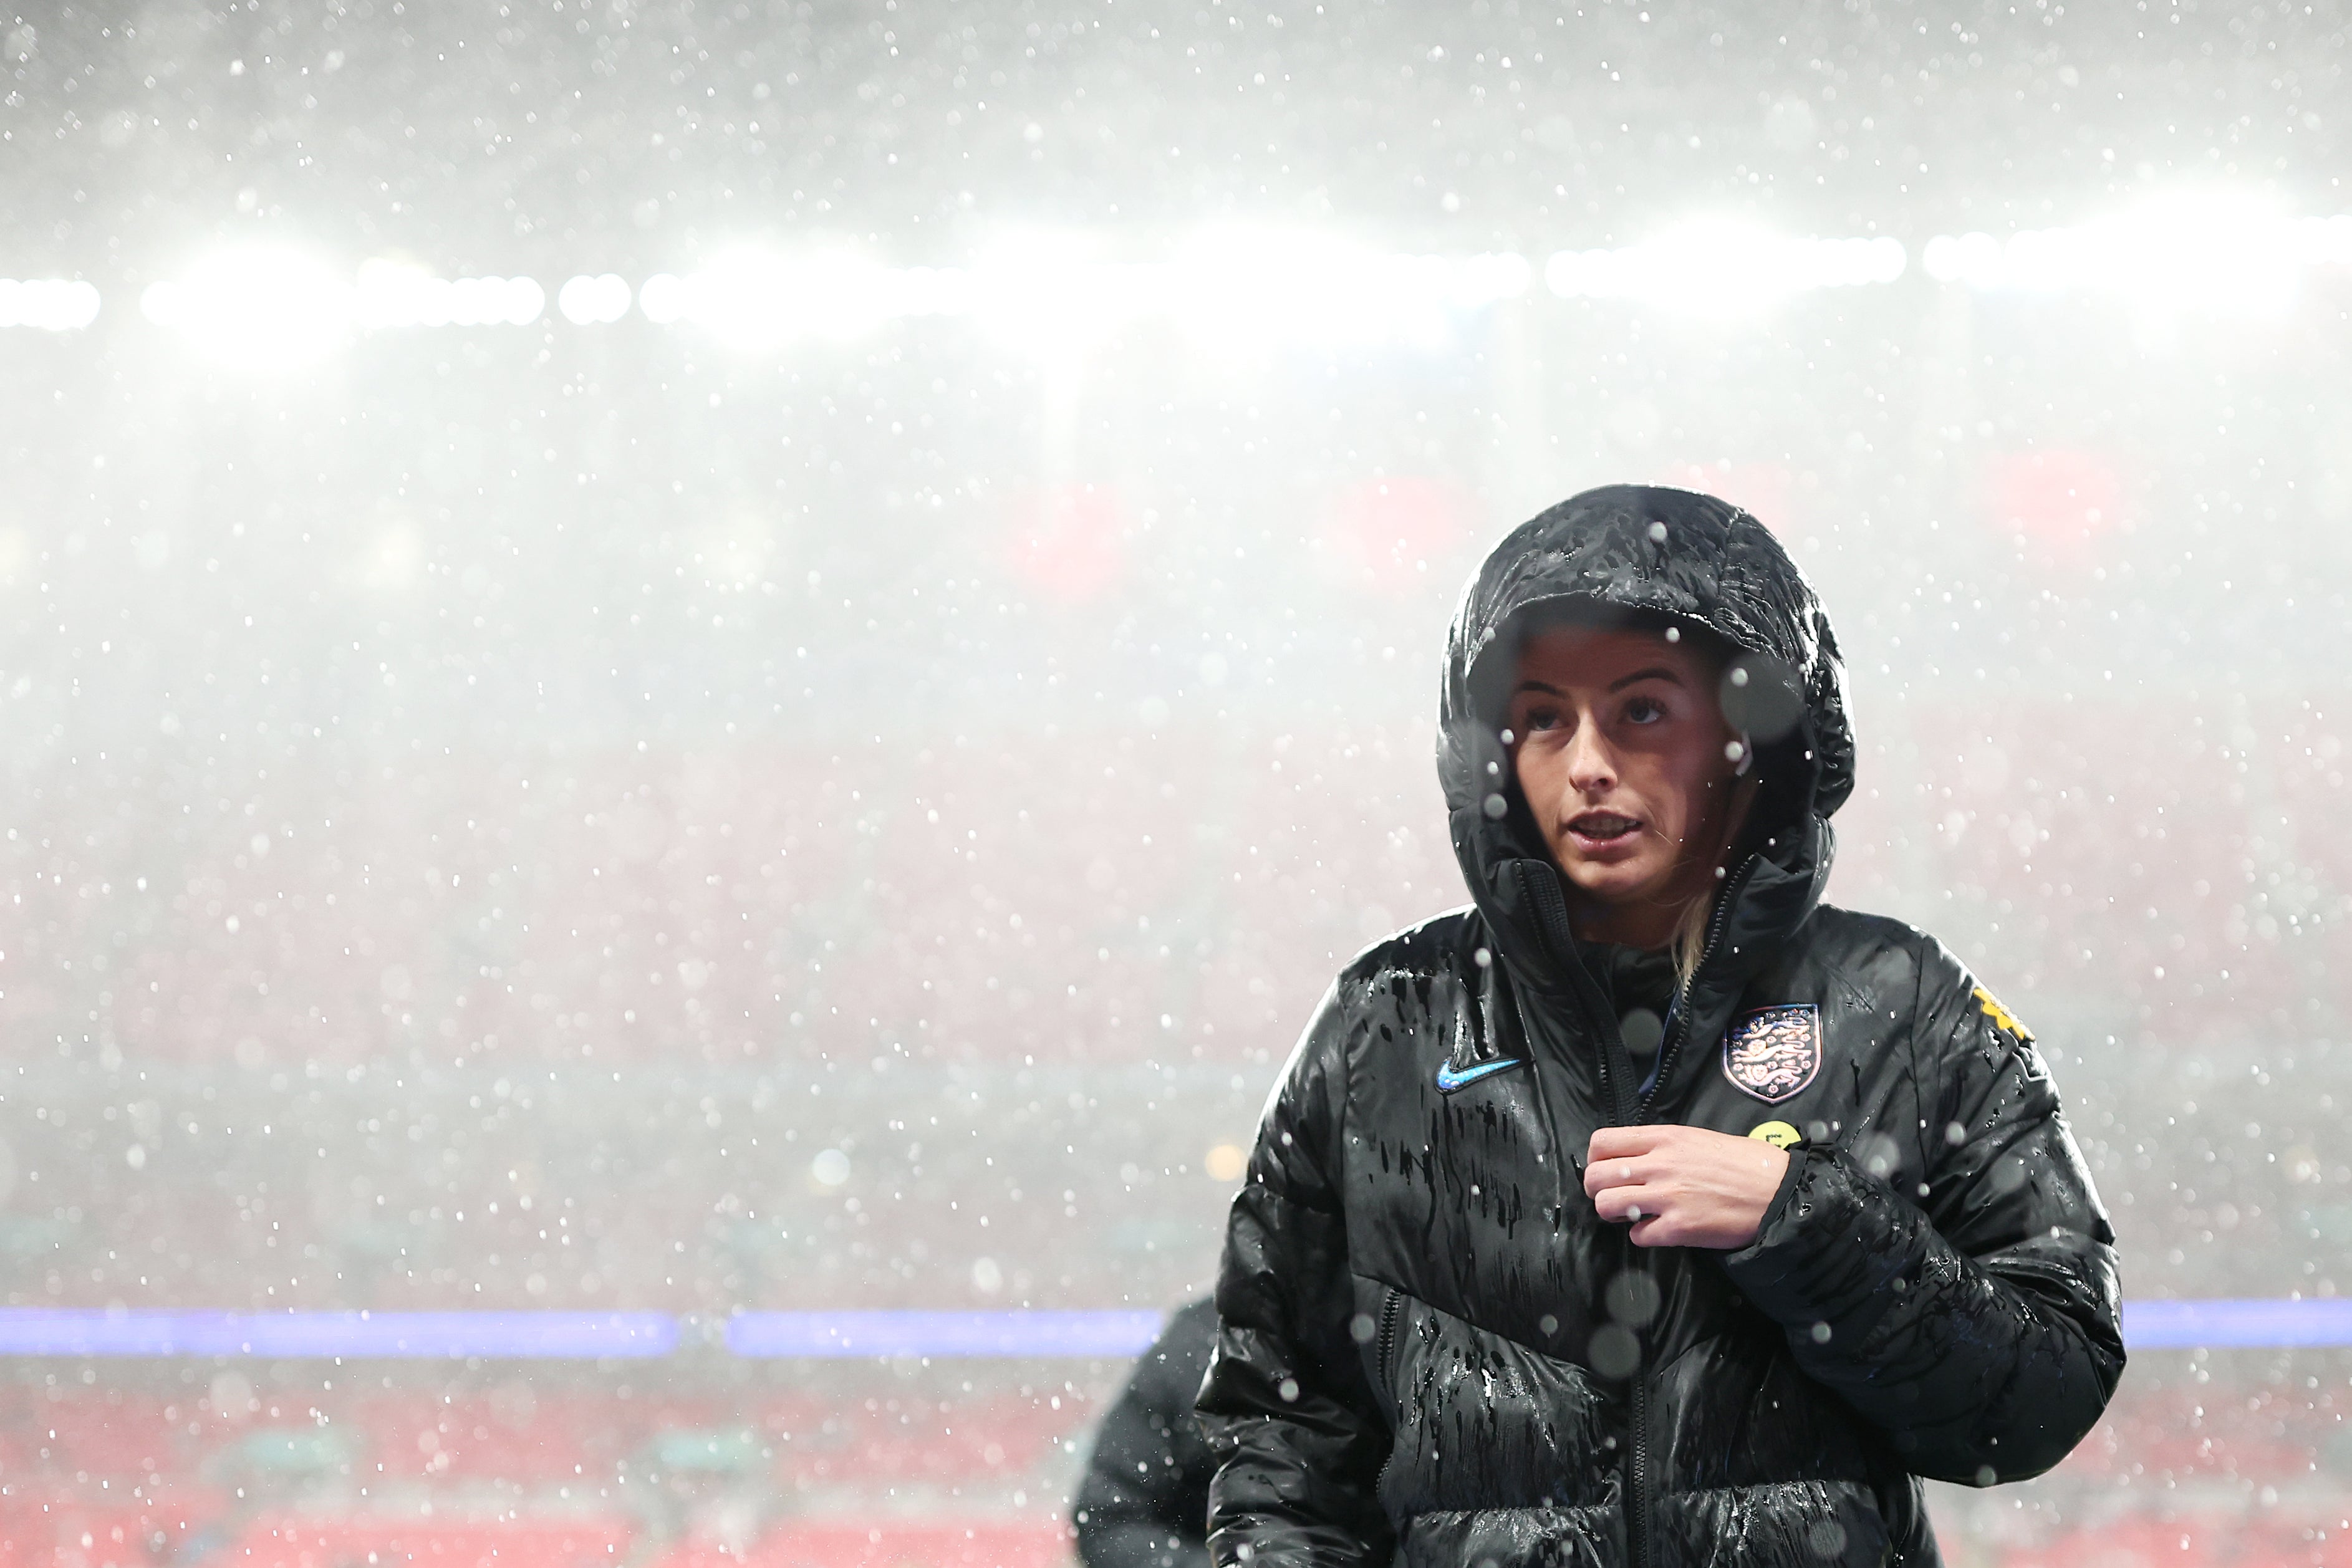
1762 904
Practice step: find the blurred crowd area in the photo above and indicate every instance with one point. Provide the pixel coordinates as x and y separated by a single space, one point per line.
670 1039
615 816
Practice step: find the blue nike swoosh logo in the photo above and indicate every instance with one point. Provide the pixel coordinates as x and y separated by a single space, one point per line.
1448 1081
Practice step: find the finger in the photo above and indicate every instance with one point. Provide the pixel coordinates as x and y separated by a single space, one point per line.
1624 1203
1603 1175
1651 1231
1614 1143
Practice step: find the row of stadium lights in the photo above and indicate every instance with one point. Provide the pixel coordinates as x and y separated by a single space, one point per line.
279 307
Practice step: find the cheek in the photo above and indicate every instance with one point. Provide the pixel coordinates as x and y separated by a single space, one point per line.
1527 765
1683 788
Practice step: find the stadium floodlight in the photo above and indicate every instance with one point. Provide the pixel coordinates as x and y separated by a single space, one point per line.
593 301
258 309
1245 287
1974 259
757 299
1491 278
1049 292
2223 255
2326 242
499 301
662 299
1716 268
49 304
275 309
2218 253
1239 287
1053 295
396 294
753 298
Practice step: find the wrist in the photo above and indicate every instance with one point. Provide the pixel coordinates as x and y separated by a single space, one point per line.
1794 1158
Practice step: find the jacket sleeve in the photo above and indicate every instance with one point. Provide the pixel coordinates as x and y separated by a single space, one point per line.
1298 1436
1961 1292
1143 1501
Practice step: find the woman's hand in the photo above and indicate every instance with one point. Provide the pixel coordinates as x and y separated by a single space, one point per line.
1682 1186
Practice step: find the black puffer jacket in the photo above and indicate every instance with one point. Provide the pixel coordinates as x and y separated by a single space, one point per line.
1433 1351
1144 1500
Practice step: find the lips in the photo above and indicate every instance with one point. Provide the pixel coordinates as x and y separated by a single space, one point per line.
1603 827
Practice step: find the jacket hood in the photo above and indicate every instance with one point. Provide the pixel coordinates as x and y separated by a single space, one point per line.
1663 557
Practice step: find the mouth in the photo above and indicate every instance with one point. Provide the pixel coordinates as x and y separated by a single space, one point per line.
1594 829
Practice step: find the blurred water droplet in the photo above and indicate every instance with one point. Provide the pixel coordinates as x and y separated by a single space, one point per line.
1615 1351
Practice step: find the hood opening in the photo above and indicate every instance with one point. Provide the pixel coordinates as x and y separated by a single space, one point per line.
1760 698
1665 560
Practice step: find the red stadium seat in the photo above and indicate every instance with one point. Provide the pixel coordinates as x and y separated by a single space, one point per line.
71 1531
287 1541
814 1544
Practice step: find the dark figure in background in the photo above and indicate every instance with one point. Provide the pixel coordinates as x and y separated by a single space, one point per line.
1651 1210
1144 1502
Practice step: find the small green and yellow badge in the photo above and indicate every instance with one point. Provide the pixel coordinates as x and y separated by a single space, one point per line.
1779 1135
2001 1016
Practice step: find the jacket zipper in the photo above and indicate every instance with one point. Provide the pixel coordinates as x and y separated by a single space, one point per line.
1641 1498
1555 907
1388 1312
1643 1544
1389 1309
1626 1107
1715 924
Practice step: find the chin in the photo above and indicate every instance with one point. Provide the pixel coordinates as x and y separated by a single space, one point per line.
1618 883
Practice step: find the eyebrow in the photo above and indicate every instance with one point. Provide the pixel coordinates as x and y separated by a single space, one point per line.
1655 672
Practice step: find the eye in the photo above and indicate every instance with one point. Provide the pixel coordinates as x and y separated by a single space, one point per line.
1644 710
1541 718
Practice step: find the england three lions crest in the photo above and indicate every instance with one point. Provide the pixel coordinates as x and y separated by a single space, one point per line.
1773 1052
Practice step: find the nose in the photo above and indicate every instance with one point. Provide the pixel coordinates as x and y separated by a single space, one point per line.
1591 768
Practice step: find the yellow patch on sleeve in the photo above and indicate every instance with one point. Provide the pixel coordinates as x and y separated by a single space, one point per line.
2001 1016
1779 1135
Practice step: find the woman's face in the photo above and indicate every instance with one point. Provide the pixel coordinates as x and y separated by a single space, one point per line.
1621 749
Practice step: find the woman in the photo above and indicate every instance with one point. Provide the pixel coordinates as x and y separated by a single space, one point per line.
1649 1210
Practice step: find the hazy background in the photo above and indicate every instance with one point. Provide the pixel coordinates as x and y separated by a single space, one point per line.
774 802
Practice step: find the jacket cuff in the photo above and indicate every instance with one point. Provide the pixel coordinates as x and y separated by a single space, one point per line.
1790 1176
1832 1243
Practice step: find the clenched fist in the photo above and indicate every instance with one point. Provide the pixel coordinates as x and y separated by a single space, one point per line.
1682 1186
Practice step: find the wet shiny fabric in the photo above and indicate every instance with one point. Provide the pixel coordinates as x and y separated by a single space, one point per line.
1638 988
1431 1351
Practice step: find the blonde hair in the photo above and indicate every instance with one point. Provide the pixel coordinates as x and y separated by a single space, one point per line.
1689 941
